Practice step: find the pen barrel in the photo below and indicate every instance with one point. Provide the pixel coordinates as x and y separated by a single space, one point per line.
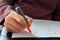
19 11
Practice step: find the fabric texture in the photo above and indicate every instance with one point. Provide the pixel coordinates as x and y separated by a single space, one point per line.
37 9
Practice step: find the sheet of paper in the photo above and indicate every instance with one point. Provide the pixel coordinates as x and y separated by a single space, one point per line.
41 28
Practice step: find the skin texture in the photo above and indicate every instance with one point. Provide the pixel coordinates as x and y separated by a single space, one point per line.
15 22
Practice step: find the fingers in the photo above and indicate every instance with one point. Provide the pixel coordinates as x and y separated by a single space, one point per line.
15 22
20 19
10 28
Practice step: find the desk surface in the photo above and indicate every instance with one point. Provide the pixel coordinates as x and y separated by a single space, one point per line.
42 28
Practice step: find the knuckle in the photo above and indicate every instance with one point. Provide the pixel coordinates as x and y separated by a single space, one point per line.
9 19
11 15
20 20
6 17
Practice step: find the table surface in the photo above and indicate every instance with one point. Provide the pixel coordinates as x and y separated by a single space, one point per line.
44 28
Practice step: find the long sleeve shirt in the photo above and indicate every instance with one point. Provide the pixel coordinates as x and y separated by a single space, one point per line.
37 9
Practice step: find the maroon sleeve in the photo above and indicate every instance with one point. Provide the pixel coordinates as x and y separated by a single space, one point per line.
6 6
56 13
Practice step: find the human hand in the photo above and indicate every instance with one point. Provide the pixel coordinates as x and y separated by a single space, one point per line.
15 22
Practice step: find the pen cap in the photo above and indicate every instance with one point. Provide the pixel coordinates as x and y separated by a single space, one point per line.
19 11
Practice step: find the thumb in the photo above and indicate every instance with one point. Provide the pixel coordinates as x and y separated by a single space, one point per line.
29 19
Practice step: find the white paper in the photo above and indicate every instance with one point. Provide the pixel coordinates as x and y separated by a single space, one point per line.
43 28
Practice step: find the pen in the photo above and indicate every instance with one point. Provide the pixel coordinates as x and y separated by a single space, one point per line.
19 11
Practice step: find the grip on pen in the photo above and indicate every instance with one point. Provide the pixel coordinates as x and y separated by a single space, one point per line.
19 11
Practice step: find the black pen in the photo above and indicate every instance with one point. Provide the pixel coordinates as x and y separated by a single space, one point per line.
19 11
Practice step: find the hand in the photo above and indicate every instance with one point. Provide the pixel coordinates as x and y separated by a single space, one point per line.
15 22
